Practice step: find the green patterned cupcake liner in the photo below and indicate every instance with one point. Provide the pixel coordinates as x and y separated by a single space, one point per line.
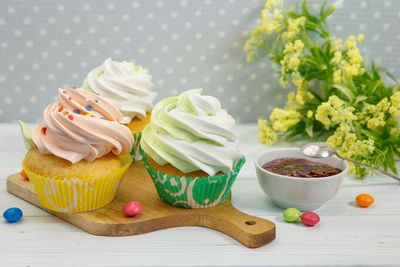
200 192
135 152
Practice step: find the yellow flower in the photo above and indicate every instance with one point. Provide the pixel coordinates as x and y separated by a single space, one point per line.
294 63
353 70
257 31
250 56
288 48
377 121
310 114
383 105
270 3
334 111
337 76
283 119
348 113
351 42
337 45
277 14
291 98
337 57
345 127
336 139
283 81
355 56
394 110
335 101
298 45
294 27
323 112
360 38
267 134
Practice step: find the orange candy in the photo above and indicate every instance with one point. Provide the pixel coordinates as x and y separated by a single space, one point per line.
364 200
23 174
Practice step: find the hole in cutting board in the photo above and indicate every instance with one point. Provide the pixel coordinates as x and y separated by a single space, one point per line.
250 222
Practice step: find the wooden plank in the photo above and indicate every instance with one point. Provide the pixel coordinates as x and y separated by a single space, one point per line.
156 215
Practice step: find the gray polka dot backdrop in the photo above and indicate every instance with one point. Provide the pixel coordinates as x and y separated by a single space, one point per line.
185 44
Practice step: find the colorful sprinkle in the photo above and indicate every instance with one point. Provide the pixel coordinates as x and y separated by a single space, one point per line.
97 101
70 98
88 107
60 108
103 118
65 112
44 130
85 92
77 111
74 87
71 117
89 115
64 92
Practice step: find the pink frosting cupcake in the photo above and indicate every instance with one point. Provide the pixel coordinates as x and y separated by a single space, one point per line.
79 153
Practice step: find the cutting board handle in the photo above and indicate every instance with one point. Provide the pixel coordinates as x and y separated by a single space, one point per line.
249 230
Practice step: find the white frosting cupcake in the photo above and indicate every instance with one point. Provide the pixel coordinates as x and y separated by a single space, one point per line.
124 83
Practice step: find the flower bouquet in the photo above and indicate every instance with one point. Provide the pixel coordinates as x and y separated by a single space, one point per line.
339 99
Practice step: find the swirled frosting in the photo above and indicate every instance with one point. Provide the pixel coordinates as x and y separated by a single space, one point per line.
124 83
191 132
82 125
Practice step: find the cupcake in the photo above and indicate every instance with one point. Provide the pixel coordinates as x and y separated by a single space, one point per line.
190 151
78 155
130 87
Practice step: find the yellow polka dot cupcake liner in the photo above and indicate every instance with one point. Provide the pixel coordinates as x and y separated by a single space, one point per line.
80 194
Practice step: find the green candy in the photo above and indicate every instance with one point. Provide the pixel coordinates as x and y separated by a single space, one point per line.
291 215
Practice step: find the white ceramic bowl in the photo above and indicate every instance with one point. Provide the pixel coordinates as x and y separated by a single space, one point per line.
304 194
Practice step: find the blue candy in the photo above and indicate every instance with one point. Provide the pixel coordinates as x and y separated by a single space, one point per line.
13 215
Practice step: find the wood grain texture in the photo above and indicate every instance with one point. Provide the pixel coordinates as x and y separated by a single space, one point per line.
156 215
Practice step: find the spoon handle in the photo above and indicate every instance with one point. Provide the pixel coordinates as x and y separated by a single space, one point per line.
372 168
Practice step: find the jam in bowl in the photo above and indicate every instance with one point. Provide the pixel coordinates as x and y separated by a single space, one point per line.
299 167
293 180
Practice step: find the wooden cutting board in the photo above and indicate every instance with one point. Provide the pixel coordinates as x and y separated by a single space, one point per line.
156 215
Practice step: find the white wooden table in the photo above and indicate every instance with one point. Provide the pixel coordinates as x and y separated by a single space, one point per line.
346 235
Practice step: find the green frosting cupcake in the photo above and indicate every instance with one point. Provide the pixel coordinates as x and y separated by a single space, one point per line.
192 132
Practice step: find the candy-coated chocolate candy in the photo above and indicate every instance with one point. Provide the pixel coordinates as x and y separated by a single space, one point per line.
291 215
364 200
309 218
132 208
23 174
12 215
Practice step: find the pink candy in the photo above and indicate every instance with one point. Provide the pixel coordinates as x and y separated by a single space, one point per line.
309 218
132 208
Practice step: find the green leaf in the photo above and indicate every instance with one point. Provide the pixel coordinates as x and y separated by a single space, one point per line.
361 98
309 127
327 13
27 135
390 160
349 82
293 15
346 91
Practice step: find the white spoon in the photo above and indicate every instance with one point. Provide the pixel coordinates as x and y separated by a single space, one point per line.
321 150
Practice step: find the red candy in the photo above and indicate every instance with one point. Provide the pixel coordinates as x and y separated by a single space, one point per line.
309 218
71 117
132 208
